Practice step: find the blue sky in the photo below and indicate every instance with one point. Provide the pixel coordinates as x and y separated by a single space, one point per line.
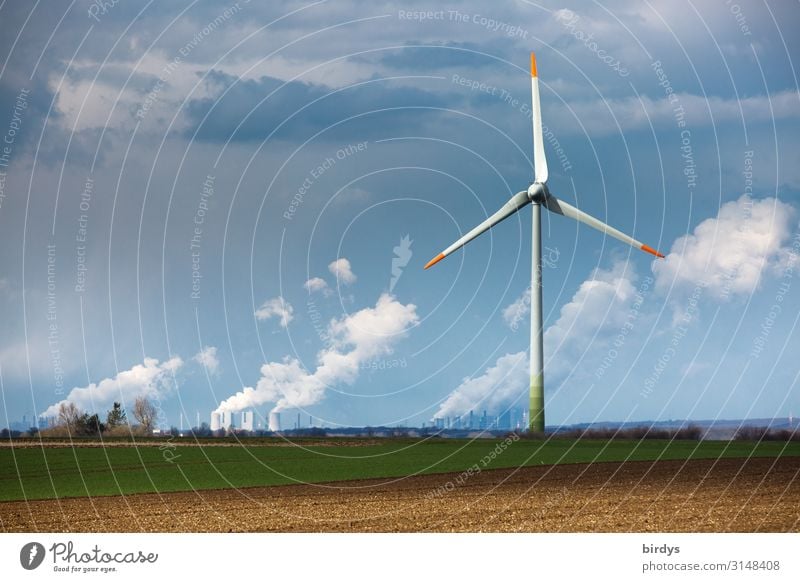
202 202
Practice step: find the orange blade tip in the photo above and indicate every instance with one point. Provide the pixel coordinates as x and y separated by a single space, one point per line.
533 65
434 260
652 251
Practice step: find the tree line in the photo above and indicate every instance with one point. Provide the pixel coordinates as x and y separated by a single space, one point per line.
75 422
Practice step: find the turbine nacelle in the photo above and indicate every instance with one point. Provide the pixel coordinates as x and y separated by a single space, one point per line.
538 193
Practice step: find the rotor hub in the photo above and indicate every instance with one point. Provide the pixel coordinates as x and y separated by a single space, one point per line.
537 193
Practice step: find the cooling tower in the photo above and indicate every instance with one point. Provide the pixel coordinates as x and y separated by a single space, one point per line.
215 421
274 421
227 420
247 422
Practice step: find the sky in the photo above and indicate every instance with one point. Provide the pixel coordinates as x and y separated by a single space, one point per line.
228 206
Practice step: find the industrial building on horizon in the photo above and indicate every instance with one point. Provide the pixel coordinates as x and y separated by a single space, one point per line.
222 420
246 421
510 419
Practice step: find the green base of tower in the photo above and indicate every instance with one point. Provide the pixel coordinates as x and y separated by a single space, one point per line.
536 418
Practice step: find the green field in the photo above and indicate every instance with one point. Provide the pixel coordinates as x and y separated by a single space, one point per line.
46 473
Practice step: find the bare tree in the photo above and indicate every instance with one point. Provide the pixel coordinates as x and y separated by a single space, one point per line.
69 415
145 413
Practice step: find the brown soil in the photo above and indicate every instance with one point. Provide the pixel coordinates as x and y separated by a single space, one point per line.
744 495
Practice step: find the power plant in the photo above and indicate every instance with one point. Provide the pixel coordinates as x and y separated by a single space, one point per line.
224 420
244 421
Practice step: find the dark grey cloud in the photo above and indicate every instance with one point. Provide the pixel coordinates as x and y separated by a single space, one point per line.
431 56
23 108
246 110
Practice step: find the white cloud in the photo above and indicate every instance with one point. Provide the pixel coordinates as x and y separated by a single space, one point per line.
150 378
515 313
276 307
356 338
316 284
494 390
341 269
600 305
729 253
207 357
602 302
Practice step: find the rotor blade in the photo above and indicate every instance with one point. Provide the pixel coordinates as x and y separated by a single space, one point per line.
515 203
539 160
553 204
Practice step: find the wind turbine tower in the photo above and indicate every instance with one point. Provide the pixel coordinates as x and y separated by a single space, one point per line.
538 195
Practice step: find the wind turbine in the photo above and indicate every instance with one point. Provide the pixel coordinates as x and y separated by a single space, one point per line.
537 195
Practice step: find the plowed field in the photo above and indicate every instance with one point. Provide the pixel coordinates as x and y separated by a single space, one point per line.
744 495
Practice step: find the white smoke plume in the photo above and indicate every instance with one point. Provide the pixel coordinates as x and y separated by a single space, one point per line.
360 337
150 378
498 386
